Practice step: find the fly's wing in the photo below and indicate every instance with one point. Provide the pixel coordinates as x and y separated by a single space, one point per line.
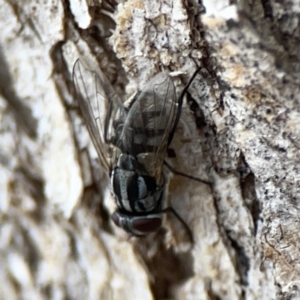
150 120
101 108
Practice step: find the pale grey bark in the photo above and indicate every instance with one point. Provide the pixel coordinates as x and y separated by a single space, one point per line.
239 130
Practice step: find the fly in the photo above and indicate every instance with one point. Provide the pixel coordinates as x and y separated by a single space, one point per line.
131 140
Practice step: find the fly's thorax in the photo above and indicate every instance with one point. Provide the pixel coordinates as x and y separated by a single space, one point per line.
138 196
150 161
135 191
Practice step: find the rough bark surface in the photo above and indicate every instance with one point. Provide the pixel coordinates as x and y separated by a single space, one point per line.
239 130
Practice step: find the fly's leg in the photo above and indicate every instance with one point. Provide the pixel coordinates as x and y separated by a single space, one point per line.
172 210
185 175
187 228
179 103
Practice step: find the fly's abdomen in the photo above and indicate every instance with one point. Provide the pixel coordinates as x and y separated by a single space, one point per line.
145 130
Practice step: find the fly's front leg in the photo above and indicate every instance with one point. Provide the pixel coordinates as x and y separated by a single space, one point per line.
173 211
170 209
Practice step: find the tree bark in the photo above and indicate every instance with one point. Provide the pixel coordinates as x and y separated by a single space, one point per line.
238 134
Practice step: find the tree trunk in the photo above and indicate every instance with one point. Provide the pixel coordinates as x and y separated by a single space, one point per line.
238 134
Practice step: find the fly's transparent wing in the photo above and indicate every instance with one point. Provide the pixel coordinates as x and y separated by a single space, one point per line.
101 108
151 119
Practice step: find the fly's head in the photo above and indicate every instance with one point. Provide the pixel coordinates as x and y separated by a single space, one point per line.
138 197
137 225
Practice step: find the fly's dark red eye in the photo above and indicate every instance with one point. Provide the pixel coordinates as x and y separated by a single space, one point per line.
137 225
146 225
116 219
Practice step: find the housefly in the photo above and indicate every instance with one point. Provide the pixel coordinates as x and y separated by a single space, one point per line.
131 139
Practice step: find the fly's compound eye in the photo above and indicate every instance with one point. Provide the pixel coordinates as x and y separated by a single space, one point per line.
137 225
